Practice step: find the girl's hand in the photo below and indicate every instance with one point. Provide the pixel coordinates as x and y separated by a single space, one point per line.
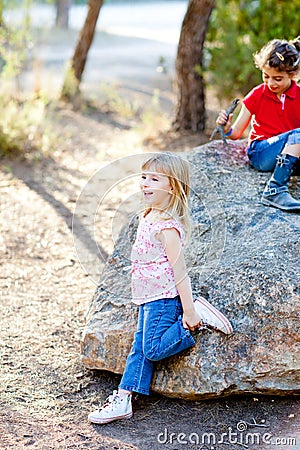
191 321
171 241
224 120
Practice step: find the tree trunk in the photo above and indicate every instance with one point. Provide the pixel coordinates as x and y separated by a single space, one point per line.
62 13
74 74
189 84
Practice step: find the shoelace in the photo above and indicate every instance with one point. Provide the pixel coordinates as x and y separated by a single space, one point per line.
111 401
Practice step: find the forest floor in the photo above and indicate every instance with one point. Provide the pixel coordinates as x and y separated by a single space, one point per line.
45 391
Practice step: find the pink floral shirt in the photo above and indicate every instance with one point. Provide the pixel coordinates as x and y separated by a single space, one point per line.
152 274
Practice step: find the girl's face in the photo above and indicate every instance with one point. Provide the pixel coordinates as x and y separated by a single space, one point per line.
277 82
156 189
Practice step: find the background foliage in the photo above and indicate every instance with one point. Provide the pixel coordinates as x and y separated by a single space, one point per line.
239 28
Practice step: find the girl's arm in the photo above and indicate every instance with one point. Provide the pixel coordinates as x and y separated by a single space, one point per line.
171 241
239 126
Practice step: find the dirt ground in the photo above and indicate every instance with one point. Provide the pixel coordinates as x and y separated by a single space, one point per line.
46 393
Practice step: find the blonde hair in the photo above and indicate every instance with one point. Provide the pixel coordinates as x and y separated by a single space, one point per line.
178 171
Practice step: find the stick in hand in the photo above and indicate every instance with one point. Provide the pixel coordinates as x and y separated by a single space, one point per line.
220 128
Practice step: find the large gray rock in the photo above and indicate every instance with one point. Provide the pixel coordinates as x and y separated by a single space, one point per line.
244 258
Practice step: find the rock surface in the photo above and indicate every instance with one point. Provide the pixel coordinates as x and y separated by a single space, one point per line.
244 258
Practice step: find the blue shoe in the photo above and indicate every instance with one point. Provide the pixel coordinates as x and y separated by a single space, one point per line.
276 191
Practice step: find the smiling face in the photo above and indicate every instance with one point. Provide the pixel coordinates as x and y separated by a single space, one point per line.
278 82
156 189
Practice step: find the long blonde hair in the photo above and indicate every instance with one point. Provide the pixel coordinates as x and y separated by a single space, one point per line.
178 172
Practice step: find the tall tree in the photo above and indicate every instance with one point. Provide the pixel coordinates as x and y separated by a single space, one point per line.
78 61
189 83
62 13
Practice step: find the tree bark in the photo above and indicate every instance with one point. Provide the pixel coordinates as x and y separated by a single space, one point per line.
189 83
86 38
62 13
74 75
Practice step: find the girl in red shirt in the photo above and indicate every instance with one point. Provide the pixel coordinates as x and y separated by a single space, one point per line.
273 108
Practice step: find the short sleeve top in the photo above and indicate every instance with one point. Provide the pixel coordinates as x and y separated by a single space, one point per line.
272 115
152 273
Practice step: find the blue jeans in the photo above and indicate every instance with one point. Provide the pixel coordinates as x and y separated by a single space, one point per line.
159 334
262 154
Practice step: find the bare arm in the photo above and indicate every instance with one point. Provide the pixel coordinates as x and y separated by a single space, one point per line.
173 248
240 124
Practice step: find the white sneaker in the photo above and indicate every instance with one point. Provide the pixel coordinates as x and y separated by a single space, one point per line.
117 407
211 316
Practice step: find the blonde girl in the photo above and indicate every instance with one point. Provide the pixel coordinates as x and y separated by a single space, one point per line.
160 283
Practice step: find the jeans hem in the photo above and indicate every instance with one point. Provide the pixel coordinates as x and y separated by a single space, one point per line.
134 389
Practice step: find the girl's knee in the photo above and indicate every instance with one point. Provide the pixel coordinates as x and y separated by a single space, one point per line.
152 354
293 138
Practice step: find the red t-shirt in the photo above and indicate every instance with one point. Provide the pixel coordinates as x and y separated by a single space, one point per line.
270 115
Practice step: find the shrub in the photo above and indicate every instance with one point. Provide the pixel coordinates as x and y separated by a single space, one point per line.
22 127
239 28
